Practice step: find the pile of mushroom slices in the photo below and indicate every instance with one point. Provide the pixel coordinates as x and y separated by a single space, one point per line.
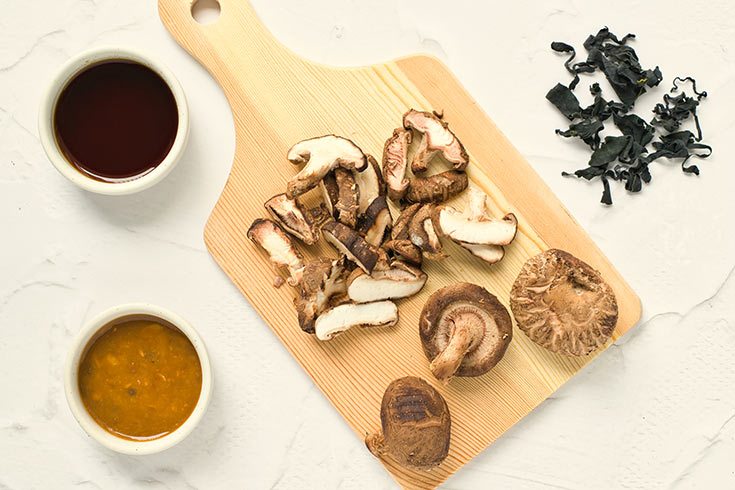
357 288
422 221
379 257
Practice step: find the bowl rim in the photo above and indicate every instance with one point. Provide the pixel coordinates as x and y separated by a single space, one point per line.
71 385
71 68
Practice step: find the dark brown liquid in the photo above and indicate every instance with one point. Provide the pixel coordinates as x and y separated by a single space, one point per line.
116 120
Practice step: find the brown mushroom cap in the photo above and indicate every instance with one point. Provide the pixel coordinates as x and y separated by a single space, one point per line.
563 304
464 330
416 425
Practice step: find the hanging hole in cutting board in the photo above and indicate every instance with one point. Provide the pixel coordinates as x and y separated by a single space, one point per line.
205 11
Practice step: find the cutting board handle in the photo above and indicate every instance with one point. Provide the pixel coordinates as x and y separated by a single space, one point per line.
253 38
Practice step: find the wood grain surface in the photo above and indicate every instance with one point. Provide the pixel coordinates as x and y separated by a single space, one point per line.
277 99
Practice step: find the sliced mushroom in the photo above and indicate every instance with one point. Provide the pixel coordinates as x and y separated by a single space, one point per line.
563 304
477 211
416 425
291 216
376 221
351 244
400 227
317 216
437 188
435 137
422 234
279 246
405 249
330 192
399 281
347 206
462 227
321 155
489 253
340 318
464 330
323 279
370 184
395 163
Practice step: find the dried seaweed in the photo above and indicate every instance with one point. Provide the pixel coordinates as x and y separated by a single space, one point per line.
625 158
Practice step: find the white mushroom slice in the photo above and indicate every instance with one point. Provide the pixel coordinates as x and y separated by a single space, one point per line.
474 226
400 281
343 317
487 232
322 155
476 210
435 137
489 253
279 246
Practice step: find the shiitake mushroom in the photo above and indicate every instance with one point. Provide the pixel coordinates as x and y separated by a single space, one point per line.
465 331
416 425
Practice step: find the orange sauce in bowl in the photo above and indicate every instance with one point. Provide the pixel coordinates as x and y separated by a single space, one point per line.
140 378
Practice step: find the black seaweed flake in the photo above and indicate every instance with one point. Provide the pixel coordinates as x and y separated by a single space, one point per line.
625 158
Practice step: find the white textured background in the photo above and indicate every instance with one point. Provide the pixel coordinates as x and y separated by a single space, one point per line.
657 410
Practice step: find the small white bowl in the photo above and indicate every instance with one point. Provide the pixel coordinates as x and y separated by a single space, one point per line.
46 121
71 384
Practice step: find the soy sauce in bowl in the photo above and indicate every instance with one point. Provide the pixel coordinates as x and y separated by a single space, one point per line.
116 120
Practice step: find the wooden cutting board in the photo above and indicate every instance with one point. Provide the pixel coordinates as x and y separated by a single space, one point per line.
277 99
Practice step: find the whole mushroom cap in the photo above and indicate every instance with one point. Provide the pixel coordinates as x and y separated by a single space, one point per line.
465 328
416 425
563 304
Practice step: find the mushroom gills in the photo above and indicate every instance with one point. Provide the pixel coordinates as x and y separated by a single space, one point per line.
395 154
464 331
342 317
400 281
563 304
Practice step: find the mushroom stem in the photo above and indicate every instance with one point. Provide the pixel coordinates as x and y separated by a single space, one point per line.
447 362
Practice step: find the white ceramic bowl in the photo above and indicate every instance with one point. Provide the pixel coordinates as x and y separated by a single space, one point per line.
48 106
71 385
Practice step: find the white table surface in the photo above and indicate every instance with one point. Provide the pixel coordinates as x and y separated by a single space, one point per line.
656 410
